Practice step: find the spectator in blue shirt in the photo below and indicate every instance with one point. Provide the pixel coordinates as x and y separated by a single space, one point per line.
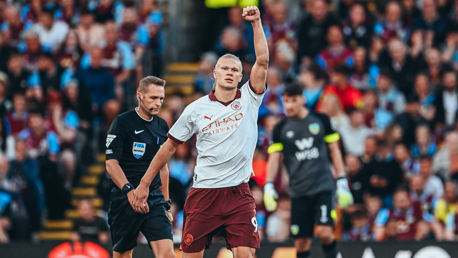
99 83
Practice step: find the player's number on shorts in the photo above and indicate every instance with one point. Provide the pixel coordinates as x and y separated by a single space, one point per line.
255 224
324 211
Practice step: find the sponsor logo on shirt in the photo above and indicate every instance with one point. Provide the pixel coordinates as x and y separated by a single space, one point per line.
110 138
209 118
223 125
109 152
306 150
139 149
290 134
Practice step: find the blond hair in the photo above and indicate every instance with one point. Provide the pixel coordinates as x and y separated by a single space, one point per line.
226 56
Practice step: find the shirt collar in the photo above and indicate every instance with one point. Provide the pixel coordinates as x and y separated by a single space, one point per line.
142 117
212 97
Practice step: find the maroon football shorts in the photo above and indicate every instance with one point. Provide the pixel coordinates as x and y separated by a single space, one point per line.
207 210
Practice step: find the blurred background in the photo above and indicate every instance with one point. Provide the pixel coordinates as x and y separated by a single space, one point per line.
385 72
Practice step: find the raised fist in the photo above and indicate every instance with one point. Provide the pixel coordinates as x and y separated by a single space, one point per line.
251 13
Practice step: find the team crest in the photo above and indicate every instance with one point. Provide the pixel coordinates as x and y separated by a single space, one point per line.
188 239
236 105
314 128
139 149
294 229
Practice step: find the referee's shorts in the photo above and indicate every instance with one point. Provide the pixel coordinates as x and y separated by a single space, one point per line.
126 224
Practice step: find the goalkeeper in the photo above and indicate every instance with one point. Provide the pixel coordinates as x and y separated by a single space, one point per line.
303 139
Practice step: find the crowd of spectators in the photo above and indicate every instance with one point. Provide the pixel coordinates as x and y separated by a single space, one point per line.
385 72
67 69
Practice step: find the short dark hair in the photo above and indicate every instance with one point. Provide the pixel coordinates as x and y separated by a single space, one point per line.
387 74
148 80
352 110
37 111
358 214
425 157
342 69
48 11
293 89
382 143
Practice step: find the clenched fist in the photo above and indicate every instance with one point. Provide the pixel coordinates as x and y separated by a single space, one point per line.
251 13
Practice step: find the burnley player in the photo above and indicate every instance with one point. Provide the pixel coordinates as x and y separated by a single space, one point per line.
133 140
225 122
303 139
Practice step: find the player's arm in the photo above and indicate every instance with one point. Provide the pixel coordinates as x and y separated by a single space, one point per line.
116 173
344 196
160 160
259 70
164 174
273 165
337 160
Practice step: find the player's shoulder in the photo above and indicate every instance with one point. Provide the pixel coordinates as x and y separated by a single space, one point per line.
198 105
321 116
281 124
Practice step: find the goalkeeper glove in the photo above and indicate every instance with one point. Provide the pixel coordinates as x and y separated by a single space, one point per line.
269 197
344 196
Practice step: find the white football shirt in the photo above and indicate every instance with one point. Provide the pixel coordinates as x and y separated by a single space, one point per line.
226 137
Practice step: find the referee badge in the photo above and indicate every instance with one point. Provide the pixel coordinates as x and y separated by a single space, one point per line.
139 149
294 229
314 128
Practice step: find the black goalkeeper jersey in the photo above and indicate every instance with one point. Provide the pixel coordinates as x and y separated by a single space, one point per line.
133 142
304 146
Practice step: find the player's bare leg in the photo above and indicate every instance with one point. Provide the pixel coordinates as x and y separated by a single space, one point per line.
193 255
163 248
243 252
127 254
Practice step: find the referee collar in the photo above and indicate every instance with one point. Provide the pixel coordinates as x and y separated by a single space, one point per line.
212 97
142 117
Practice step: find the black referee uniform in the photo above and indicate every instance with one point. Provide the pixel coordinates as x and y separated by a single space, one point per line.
133 142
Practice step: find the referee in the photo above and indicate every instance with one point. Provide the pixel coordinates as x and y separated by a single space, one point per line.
132 141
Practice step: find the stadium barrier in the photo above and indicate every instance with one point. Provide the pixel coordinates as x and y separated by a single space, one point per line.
218 250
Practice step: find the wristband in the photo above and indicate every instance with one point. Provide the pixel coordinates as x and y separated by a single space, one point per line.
127 188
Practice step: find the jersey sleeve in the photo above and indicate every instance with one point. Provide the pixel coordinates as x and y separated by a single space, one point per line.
255 97
115 140
330 135
276 145
184 128
450 222
382 217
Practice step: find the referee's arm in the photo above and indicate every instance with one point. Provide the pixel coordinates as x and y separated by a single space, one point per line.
157 164
116 173
114 144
